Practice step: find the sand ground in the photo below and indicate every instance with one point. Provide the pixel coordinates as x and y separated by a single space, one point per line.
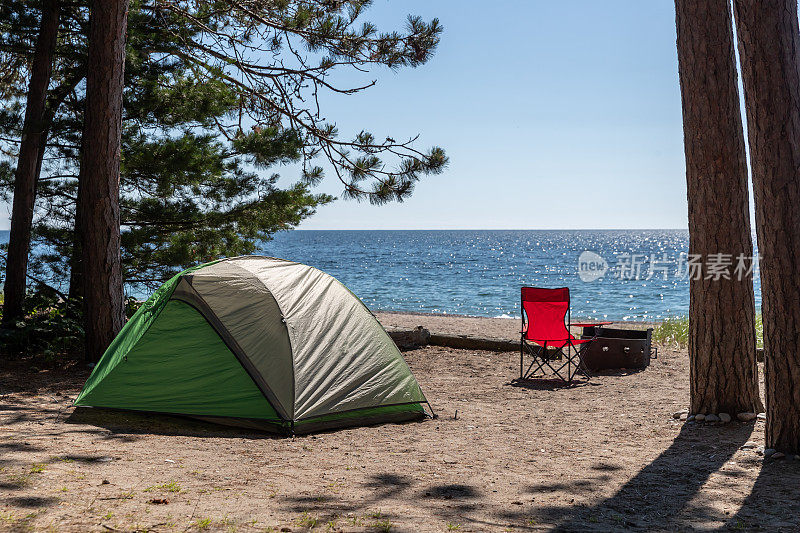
497 328
502 456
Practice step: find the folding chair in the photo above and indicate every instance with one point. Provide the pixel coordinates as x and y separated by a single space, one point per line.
545 324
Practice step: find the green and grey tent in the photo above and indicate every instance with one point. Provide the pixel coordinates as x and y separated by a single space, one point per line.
257 342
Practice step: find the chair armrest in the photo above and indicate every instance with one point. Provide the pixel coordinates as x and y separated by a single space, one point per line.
589 324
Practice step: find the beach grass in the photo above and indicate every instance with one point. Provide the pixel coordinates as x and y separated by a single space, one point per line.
675 331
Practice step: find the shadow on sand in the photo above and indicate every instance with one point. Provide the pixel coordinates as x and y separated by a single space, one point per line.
127 425
660 496
774 502
549 383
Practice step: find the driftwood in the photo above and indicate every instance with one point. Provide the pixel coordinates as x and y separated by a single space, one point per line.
408 339
466 342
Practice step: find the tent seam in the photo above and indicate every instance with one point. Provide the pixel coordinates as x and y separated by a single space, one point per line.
225 342
289 331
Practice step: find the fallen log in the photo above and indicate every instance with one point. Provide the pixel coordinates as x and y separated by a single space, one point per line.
409 339
466 342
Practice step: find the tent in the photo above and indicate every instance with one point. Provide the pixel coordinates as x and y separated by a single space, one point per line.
257 342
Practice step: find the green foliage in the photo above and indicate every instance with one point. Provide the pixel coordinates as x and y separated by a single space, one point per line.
759 330
308 40
202 523
51 327
308 521
674 331
217 94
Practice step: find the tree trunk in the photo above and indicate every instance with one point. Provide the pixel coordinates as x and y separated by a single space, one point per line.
75 262
769 48
76 259
29 164
104 310
722 345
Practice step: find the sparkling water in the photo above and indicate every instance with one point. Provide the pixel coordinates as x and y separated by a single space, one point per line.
479 273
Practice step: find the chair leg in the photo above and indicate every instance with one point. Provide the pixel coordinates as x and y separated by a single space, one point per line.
566 363
583 368
569 360
573 362
580 366
537 357
539 360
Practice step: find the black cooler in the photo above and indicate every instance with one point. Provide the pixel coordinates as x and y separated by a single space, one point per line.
618 348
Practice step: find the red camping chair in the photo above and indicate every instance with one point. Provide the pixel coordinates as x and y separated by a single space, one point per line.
545 324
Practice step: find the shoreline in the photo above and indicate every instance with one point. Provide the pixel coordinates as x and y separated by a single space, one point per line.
653 322
470 326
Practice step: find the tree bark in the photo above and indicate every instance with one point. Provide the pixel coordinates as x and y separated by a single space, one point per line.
104 311
29 164
769 48
722 345
76 259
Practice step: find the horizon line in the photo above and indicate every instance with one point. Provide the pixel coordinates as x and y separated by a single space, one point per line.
472 229
489 229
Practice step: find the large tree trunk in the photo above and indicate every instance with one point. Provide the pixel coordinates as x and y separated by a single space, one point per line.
29 164
722 351
76 259
104 310
769 48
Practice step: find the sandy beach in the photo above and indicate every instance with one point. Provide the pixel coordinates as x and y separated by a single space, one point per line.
347 266
502 456
494 328
497 328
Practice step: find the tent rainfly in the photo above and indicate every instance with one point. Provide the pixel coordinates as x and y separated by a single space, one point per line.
257 342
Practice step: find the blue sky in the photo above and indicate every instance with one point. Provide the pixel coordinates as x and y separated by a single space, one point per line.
554 115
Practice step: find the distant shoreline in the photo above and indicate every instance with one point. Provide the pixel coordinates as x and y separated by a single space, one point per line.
443 314
492 229
423 314
471 326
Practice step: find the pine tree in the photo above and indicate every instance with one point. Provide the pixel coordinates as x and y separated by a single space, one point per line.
98 202
722 350
202 130
768 46
29 162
